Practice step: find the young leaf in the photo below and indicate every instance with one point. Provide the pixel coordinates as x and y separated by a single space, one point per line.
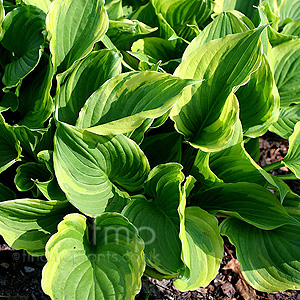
85 78
292 28
269 258
259 101
36 105
207 111
292 159
28 223
124 32
246 7
42 4
286 59
10 149
289 10
246 201
234 164
181 13
22 34
87 23
202 250
107 265
225 23
287 120
158 220
128 99
6 193
28 174
90 168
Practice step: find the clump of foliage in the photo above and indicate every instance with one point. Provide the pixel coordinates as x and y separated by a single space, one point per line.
128 126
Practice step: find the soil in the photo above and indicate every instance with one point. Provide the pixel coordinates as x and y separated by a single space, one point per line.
20 274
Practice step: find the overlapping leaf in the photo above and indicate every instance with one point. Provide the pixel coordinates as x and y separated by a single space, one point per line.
158 220
287 120
225 23
128 99
75 26
207 112
29 223
181 13
202 250
234 164
86 78
247 8
36 105
246 201
107 265
10 149
292 159
42 4
269 259
259 101
6 193
90 168
287 61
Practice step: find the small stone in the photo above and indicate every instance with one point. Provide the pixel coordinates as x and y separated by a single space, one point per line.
28 269
5 265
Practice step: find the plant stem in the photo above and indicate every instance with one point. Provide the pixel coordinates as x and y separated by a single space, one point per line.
273 166
287 177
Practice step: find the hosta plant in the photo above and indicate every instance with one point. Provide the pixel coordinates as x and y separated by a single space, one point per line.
129 127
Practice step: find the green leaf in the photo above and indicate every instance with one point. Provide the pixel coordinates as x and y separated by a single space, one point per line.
163 148
36 105
2 15
22 34
114 9
75 26
27 174
234 164
10 149
246 7
107 265
259 101
246 201
286 59
269 258
207 112
180 13
6 193
290 10
292 159
85 78
225 23
128 99
42 4
124 32
158 220
292 28
34 140
89 167
202 250
202 172
292 205
287 120
154 47
9 101
28 223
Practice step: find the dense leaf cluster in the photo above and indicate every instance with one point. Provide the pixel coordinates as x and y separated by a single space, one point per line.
127 126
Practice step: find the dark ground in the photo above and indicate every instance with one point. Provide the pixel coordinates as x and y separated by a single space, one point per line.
20 274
